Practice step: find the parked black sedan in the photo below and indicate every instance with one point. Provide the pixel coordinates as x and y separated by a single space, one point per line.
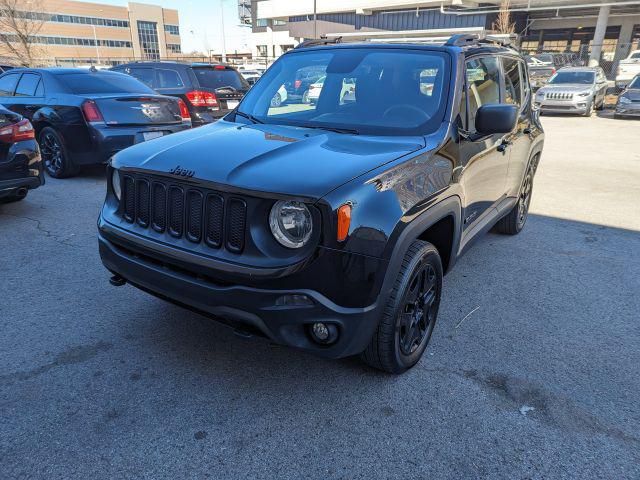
20 163
84 116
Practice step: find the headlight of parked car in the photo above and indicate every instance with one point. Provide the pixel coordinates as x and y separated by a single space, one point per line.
584 94
115 183
291 223
623 100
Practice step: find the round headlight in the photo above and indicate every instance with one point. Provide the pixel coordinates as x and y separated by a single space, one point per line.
115 183
291 223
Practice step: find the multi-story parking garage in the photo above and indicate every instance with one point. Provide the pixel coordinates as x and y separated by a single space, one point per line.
600 29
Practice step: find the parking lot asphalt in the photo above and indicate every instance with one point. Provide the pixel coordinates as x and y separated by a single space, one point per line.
533 370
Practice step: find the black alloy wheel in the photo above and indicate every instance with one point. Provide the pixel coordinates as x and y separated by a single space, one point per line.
420 309
54 154
524 200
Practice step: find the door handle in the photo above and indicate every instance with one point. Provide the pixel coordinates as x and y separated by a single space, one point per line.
527 130
503 146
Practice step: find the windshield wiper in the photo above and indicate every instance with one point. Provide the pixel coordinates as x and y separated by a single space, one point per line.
332 129
248 116
234 89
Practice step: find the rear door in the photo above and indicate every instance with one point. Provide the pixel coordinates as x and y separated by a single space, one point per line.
225 82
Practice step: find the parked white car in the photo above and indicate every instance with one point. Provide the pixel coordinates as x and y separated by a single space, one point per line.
628 69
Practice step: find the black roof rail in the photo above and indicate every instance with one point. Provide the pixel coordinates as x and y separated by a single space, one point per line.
461 40
319 42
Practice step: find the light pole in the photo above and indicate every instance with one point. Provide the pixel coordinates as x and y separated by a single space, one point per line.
315 21
224 44
95 39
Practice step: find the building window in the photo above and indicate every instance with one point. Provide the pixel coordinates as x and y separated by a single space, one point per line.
286 48
262 50
172 29
57 18
555 45
261 22
72 41
174 48
148 37
279 23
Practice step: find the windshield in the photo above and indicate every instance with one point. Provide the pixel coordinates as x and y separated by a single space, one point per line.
364 90
216 78
582 78
635 83
635 55
105 82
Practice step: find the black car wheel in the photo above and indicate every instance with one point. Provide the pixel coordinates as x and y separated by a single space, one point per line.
410 315
54 154
514 221
15 197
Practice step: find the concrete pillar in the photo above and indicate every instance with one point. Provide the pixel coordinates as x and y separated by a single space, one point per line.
598 36
624 40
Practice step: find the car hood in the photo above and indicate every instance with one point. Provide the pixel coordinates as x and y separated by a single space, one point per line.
632 94
267 158
566 87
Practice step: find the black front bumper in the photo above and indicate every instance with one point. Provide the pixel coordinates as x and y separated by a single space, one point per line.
249 308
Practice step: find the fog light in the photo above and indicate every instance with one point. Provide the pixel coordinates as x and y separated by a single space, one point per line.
324 333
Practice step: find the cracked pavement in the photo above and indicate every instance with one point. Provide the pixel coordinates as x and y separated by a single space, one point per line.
533 370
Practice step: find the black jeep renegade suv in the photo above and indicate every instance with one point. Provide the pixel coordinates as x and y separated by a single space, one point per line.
328 226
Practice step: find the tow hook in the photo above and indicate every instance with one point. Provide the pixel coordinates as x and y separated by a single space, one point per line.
117 281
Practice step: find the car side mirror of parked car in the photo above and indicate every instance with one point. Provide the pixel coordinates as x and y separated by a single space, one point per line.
496 118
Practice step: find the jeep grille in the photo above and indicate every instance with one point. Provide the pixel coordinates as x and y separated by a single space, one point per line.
183 211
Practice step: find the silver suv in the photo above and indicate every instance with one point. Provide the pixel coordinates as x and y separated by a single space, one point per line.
573 90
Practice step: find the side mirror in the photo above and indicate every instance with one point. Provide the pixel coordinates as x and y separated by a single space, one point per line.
496 118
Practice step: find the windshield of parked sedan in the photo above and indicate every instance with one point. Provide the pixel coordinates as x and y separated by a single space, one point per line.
581 78
375 91
635 83
635 56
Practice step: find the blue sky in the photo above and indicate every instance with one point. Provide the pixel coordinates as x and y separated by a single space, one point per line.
200 25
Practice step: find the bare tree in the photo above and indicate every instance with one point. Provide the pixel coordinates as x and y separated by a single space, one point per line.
20 23
503 23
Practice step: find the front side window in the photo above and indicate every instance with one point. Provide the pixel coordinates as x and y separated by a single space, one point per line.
578 78
145 75
373 91
483 85
168 79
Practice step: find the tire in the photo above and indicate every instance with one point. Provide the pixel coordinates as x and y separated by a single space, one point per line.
408 319
590 109
13 198
601 106
513 222
54 153
276 101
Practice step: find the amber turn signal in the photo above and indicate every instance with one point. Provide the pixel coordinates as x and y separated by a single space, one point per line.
344 221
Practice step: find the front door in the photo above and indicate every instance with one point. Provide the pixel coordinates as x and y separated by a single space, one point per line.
484 160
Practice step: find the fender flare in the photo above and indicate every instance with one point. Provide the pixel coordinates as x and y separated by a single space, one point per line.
450 206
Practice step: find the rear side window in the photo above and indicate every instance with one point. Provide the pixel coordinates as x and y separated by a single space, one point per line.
27 85
168 79
145 75
512 80
8 84
85 83
483 85
210 77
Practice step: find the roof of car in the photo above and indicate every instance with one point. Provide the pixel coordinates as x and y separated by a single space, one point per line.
153 63
579 69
